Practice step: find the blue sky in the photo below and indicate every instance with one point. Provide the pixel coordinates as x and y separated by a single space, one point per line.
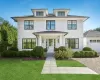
91 8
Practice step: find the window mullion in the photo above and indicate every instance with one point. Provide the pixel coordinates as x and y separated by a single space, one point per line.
31 43
50 25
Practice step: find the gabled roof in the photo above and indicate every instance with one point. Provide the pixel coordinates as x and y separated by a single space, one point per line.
92 33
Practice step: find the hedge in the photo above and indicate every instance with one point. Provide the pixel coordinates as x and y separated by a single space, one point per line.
38 51
85 54
87 49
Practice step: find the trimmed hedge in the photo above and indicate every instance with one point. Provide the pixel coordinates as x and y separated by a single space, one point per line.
45 49
25 54
87 49
85 54
9 53
13 49
38 51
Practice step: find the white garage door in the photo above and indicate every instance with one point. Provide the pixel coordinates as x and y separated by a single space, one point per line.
95 45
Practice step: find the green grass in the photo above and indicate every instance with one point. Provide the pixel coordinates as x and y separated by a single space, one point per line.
68 63
17 69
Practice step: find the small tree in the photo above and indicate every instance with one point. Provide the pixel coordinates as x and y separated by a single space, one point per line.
14 43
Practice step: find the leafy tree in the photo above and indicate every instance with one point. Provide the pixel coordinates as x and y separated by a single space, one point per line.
8 33
97 29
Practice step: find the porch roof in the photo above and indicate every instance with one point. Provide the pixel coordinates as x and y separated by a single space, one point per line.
50 32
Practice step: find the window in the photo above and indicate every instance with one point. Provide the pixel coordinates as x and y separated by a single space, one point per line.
92 41
98 41
72 24
28 24
28 43
39 13
72 43
61 13
50 24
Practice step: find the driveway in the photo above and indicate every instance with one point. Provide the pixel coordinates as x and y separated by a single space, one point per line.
92 63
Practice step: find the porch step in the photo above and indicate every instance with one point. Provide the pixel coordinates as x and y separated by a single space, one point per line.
50 50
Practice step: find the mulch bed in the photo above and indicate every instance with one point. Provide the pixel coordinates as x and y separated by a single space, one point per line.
28 58
23 58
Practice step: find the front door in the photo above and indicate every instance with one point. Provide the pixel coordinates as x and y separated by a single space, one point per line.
50 43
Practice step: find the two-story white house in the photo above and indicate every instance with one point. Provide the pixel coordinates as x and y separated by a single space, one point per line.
50 30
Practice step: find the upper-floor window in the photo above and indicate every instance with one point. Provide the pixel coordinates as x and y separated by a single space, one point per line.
28 24
50 24
61 13
72 24
39 13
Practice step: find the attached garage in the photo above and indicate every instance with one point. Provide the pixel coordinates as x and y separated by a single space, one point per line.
92 40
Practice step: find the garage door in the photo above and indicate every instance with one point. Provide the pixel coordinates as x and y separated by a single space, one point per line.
95 45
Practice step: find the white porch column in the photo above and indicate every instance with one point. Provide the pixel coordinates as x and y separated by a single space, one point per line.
61 44
39 41
63 40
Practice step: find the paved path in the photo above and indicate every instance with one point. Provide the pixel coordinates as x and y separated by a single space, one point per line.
92 63
50 67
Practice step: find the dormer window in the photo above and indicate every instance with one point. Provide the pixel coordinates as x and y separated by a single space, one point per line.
61 13
39 13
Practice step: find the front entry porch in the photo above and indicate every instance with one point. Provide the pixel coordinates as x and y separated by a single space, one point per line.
50 40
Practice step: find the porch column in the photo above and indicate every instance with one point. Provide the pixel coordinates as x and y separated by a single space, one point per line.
63 40
39 41
61 44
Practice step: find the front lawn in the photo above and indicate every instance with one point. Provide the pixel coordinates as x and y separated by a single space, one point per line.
17 69
69 63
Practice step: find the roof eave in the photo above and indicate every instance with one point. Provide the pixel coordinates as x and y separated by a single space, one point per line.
86 19
14 19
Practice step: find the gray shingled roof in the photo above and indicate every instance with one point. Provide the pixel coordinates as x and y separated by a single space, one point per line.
50 32
92 33
50 16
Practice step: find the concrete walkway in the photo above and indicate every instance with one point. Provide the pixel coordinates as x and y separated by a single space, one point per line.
50 67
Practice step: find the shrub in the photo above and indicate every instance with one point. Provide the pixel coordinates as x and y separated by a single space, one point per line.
56 49
87 49
63 54
60 54
38 51
45 49
62 48
9 53
3 46
84 54
69 52
96 54
13 49
76 54
25 53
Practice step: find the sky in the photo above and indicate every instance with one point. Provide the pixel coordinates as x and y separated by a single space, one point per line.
90 8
